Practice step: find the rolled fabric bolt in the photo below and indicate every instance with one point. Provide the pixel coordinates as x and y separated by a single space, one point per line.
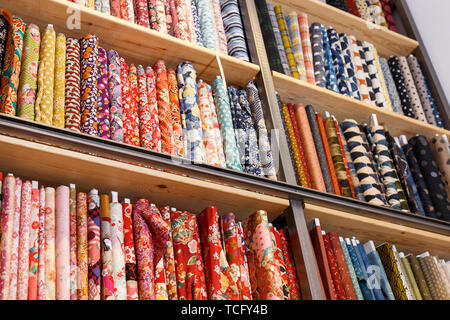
33 257
118 249
24 242
62 219
107 259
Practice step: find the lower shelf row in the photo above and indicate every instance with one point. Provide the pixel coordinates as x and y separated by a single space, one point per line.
68 245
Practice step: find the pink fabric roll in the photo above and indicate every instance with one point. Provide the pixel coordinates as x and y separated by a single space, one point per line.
182 20
118 251
33 255
7 227
50 261
73 243
24 242
221 37
41 233
15 242
62 219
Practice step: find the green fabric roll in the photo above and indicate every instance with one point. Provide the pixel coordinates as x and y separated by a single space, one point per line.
410 275
419 276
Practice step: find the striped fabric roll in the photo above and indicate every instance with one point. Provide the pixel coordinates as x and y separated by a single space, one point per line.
391 88
349 67
294 34
344 157
330 74
338 62
234 29
278 39
318 54
286 42
361 161
380 99
306 46
73 89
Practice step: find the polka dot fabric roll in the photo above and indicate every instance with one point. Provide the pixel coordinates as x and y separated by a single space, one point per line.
394 65
441 149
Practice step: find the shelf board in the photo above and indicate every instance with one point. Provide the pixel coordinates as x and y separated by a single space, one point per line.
406 238
342 107
54 166
386 41
137 44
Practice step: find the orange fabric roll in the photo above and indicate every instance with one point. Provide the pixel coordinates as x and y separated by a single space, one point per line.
326 148
309 147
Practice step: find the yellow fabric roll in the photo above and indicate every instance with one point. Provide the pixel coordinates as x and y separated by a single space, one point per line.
60 81
46 74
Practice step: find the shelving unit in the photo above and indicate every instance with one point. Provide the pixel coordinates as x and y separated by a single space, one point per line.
55 156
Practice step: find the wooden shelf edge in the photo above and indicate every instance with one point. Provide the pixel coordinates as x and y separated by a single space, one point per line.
407 238
136 43
386 41
296 91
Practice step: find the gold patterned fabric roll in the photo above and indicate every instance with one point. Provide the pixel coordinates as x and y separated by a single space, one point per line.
46 75
60 81
438 288
389 261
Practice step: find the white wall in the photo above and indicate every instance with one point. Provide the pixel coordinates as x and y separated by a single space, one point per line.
432 18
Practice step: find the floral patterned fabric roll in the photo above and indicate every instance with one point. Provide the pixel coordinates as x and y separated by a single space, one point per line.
46 75
169 259
207 25
152 15
24 241
294 287
130 255
265 277
28 75
127 113
174 27
279 261
217 133
89 57
50 265
41 262
73 243
107 259
94 245
153 105
145 129
141 10
103 114
164 109
9 83
33 255
133 107
118 251
62 241
15 242
182 15
178 143
60 81
161 16
220 31
3 36
82 247
73 88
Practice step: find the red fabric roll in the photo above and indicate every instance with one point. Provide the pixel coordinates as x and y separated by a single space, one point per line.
351 6
294 287
388 14
334 269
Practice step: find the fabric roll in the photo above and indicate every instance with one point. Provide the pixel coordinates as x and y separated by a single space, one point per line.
381 77
73 88
105 7
50 261
319 147
286 42
351 269
118 251
430 171
401 165
312 159
94 245
441 150
127 104
141 13
360 271
221 285
394 66
33 254
365 67
419 276
217 133
130 255
62 242
330 74
103 115
164 109
145 128
403 276
306 47
344 157
296 40
15 241
107 279
152 15
392 89
175 26
46 75
11 65
419 81
270 41
334 269
265 278
346 56
220 30
340 4
265 151
418 177
410 275
361 161
245 275
183 28
41 235
376 12
352 8
28 75
198 31
115 96
169 259
338 161
133 111
153 105
318 54
380 99
412 90
387 11
169 21
73 242
234 29
360 74
160 16
190 22
394 192
279 261
223 112
187 83
188 256
178 143
437 287
115 8
207 26
437 116
278 39
363 9
3 37
338 62
60 81
89 56
24 241
389 261
294 288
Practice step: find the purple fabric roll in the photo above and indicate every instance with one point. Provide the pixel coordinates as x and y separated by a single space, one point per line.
115 96
103 95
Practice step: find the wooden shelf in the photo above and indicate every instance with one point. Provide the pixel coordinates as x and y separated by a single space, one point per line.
342 107
386 41
137 44
364 228
53 166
